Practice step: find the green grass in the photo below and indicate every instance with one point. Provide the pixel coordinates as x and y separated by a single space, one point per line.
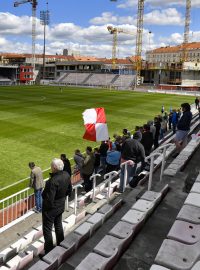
39 123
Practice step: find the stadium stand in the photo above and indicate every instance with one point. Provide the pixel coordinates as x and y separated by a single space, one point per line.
97 253
75 78
95 79
124 81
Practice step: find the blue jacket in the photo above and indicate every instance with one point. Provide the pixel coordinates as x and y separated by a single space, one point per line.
113 157
174 118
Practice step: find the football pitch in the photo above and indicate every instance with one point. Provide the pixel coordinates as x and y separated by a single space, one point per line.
38 123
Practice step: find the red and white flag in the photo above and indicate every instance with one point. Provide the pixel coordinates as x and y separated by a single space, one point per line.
95 125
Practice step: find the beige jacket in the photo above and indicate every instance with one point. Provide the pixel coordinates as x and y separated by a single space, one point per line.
36 178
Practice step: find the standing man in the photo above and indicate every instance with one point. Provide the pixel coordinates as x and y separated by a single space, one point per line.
57 188
197 103
183 128
67 165
37 183
133 151
88 168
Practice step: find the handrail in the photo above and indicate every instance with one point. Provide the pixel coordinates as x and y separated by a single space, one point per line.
108 177
151 158
94 178
130 162
76 196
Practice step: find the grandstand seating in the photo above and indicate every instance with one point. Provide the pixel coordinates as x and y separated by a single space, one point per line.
106 252
100 79
181 248
93 79
124 81
75 78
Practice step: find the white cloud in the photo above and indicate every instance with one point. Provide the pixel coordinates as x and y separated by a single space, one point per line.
168 16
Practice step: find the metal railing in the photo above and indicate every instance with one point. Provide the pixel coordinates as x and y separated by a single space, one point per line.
16 206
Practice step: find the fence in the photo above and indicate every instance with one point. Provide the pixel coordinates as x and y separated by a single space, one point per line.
18 204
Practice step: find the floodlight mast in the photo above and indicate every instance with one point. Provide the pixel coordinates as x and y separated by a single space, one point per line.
34 4
44 20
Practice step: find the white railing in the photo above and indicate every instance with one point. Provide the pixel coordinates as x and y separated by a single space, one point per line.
16 205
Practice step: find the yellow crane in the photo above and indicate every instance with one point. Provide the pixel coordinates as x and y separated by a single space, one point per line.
115 31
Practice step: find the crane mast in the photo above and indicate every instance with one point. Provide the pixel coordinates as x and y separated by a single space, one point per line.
138 51
34 7
115 31
186 29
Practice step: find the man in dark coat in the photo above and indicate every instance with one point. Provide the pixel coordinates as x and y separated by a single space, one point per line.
183 128
54 195
147 139
67 165
132 151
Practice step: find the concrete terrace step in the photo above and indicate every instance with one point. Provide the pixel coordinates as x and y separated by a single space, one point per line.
76 238
120 236
181 251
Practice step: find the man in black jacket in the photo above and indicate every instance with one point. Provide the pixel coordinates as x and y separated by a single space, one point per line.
133 151
54 195
67 165
183 128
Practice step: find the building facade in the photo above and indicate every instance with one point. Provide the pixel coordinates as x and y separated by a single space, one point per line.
178 65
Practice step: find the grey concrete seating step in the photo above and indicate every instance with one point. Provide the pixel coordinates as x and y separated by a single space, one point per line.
143 206
195 188
36 247
95 261
20 260
178 256
41 265
198 178
72 241
196 266
193 199
184 232
6 254
189 213
134 216
123 230
158 267
96 220
6 268
151 196
58 253
85 230
107 210
109 245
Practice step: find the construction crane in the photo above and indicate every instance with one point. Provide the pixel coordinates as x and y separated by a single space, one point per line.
138 50
186 30
34 6
115 31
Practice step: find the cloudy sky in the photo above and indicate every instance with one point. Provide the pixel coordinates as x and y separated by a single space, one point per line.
81 25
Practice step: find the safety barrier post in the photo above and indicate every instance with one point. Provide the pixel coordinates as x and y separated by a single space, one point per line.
130 162
94 178
151 158
76 196
164 148
108 177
